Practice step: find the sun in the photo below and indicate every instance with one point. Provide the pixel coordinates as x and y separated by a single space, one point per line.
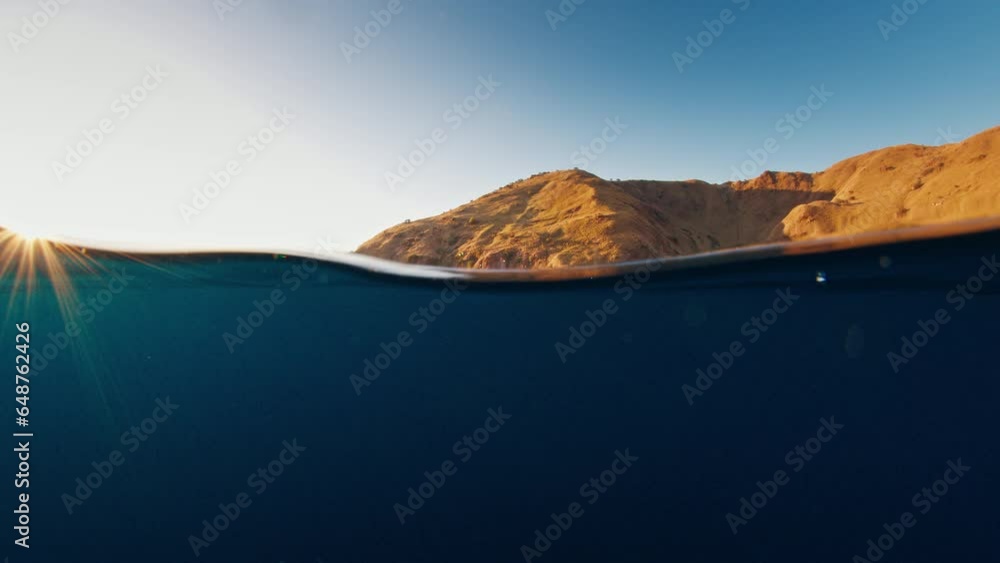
29 255
28 236
27 233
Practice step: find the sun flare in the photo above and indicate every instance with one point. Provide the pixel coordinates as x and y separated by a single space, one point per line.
26 231
28 256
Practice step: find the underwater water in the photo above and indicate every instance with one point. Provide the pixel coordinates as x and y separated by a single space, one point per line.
363 417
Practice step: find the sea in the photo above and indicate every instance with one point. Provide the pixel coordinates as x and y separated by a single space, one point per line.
837 406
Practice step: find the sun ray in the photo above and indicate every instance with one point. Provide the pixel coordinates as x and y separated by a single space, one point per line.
30 265
30 261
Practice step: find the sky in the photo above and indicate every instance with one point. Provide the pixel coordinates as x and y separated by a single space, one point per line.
313 123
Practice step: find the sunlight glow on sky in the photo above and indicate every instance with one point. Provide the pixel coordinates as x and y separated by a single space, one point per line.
202 93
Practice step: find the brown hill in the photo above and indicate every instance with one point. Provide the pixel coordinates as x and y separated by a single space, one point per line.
572 217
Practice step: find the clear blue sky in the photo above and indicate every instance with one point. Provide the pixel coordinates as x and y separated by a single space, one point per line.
326 175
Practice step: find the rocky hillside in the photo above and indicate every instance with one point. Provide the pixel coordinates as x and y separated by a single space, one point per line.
572 217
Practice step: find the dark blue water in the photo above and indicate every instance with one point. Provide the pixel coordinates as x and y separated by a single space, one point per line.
337 462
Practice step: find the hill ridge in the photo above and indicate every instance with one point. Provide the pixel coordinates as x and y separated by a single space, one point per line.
573 217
